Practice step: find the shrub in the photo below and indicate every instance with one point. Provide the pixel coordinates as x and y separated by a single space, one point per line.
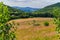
46 23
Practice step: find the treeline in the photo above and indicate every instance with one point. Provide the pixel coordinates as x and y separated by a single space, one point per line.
30 15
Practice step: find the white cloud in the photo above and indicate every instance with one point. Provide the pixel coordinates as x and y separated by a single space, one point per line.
1 0
30 3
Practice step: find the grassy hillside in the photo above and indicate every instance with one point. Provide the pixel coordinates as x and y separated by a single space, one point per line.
34 29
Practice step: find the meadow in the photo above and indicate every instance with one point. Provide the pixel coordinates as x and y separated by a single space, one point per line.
35 29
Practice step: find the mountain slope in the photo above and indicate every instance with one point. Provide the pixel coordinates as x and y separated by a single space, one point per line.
14 12
11 9
49 8
48 11
26 9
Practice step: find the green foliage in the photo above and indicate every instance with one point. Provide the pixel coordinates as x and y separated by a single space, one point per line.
57 19
47 11
4 27
56 12
46 23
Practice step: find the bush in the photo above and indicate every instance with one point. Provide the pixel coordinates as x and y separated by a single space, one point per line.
46 23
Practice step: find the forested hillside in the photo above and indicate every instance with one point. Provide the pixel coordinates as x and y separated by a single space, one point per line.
47 11
26 9
14 12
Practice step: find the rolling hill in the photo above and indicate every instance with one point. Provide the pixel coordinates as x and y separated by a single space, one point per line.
48 11
14 12
26 9
11 9
49 8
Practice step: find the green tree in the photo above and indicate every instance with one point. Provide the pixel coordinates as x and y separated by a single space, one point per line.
4 18
56 12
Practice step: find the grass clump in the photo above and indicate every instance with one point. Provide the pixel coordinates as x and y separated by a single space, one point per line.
35 23
46 23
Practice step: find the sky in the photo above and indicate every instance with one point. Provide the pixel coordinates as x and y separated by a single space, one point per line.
29 3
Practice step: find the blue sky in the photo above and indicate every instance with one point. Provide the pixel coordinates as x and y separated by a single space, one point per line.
30 3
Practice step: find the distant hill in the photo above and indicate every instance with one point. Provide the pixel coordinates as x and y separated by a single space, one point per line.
49 8
26 9
47 11
11 9
14 12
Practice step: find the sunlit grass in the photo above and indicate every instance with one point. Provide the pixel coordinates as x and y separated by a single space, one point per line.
27 31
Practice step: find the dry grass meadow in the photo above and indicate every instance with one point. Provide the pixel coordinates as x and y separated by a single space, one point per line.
34 29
